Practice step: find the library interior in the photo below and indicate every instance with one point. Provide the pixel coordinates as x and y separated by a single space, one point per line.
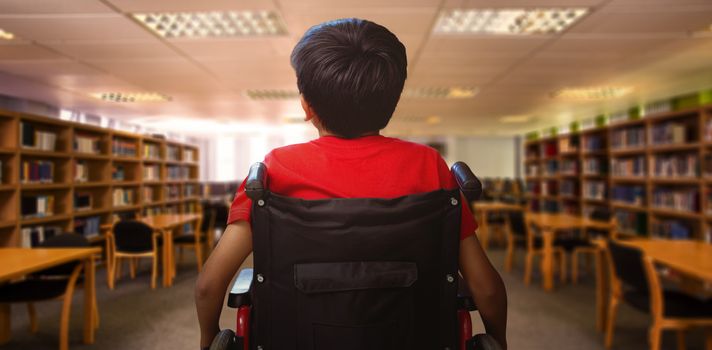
578 134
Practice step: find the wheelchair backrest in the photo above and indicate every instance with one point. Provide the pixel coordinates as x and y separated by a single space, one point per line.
356 273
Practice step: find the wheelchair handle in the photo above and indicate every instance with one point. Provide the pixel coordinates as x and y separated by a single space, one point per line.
256 183
469 184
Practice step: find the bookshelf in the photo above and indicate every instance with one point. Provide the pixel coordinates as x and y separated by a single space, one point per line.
653 172
60 176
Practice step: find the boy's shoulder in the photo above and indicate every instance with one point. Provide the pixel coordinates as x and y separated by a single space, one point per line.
383 142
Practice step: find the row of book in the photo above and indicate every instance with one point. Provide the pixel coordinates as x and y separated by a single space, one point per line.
628 138
37 206
86 144
569 144
532 169
594 143
123 197
123 148
150 211
569 188
81 171
34 235
675 165
172 192
37 171
151 151
173 153
88 227
595 190
569 167
634 195
190 191
628 167
151 172
632 223
671 229
118 173
37 139
177 173
149 194
594 166
670 133
189 155
676 199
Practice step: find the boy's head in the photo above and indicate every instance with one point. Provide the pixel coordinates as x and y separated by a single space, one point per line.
351 74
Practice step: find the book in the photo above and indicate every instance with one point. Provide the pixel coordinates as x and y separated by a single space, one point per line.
88 227
37 206
123 147
595 190
671 229
632 223
680 199
151 151
670 133
33 236
594 143
32 138
189 155
675 165
81 171
172 192
632 195
173 153
627 138
628 167
123 197
117 172
148 194
37 171
86 144
176 172
151 173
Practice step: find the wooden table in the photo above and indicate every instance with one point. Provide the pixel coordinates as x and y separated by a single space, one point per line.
691 258
18 262
167 223
482 209
550 225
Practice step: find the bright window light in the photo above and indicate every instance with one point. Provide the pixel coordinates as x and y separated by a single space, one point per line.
216 24
508 21
441 92
131 96
593 93
5 35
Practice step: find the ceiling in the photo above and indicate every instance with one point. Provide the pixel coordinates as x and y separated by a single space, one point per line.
66 49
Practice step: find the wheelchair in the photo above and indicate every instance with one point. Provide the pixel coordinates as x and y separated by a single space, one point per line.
354 274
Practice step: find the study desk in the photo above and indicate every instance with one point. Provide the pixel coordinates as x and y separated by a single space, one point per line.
18 262
550 225
482 209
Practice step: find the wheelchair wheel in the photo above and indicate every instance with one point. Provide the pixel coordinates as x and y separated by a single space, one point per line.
225 340
484 342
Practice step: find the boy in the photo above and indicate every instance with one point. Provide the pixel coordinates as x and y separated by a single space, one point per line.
350 74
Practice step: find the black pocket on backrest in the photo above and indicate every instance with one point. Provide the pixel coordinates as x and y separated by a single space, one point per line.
355 305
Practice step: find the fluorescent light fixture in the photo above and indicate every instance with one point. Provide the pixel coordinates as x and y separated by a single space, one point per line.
593 93
514 119
6 35
215 24
508 21
441 92
131 96
272 94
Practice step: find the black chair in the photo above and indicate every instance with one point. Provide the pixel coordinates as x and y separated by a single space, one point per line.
200 240
634 279
221 214
358 273
132 240
580 245
49 284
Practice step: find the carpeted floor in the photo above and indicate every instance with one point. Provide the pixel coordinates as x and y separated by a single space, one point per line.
135 317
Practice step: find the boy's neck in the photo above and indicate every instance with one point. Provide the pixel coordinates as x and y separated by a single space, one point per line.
323 133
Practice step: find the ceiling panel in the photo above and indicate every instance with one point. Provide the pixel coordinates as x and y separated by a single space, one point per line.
47 69
147 67
12 52
645 22
8 7
190 5
105 27
520 3
609 45
227 49
114 50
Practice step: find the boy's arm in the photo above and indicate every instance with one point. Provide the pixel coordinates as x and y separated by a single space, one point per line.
214 279
486 287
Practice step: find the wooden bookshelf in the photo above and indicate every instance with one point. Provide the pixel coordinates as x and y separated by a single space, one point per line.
84 162
655 173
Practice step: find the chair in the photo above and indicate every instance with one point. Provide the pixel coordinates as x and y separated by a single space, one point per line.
634 279
57 282
581 246
519 234
199 240
360 273
132 240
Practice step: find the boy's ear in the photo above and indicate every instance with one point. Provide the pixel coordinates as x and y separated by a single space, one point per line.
308 111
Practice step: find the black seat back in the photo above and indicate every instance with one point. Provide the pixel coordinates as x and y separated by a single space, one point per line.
133 236
221 213
356 273
64 240
517 223
628 265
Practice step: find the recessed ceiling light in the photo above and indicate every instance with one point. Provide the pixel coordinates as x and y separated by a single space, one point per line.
268 94
513 119
441 92
593 93
6 35
508 21
216 24
131 96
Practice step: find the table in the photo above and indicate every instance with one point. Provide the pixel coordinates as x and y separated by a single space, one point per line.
18 262
550 224
484 208
691 258
166 224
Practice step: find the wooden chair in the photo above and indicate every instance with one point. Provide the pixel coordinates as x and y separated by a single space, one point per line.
132 240
583 246
200 239
634 279
58 282
519 235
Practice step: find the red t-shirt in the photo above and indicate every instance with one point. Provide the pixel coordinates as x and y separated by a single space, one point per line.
365 167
